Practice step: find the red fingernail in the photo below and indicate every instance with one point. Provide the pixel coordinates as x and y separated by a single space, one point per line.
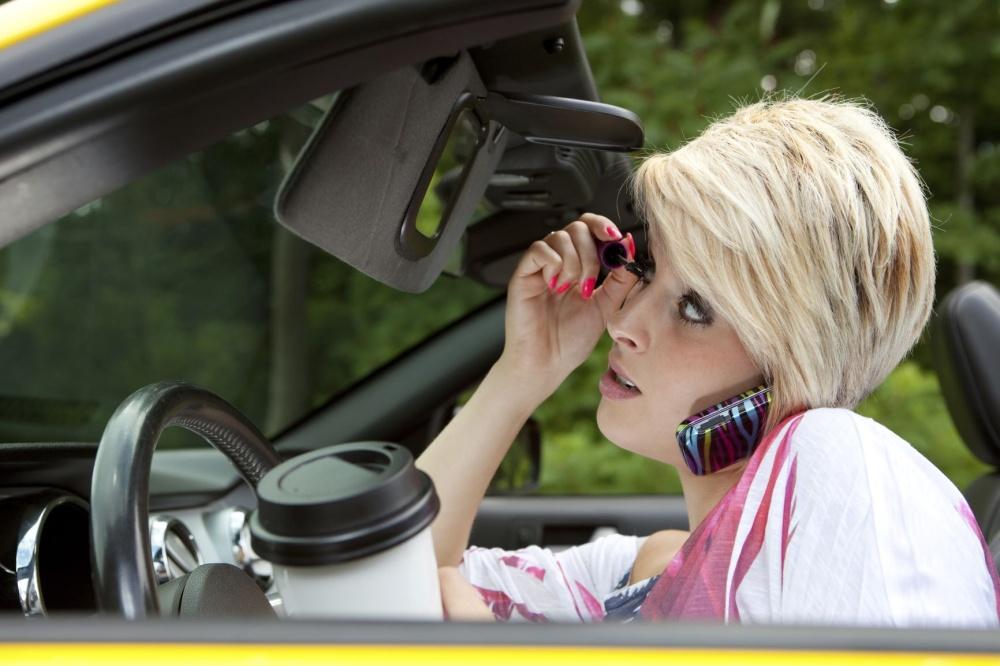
564 287
588 287
614 233
552 282
631 243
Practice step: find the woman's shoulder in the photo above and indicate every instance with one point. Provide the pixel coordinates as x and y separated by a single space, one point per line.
836 439
851 468
855 502
842 425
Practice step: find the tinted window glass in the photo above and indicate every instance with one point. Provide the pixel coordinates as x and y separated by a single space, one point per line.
185 274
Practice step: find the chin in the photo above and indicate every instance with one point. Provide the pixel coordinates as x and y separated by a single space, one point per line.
611 426
622 434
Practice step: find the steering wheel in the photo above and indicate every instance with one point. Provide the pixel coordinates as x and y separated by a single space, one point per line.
119 494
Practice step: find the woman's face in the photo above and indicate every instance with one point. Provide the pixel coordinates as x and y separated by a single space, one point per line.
680 366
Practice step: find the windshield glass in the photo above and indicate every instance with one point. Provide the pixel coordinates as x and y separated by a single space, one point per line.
185 274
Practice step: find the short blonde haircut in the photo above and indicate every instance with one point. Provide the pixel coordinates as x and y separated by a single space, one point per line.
803 224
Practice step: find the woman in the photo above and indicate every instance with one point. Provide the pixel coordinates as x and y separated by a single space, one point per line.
792 249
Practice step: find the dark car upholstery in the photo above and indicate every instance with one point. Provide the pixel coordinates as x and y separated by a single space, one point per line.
966 337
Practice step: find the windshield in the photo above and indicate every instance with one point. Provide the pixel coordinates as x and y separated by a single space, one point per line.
186 275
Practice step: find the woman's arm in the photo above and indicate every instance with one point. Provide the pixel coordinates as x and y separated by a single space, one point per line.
554 318
460 599
463 458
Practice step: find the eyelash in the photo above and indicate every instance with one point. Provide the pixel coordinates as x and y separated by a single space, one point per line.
646 267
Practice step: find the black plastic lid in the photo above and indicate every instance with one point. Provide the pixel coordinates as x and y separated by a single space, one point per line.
341 503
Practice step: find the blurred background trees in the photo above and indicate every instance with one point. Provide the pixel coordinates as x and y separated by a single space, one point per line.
185 274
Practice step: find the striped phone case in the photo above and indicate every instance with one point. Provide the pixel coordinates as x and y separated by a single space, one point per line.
725 432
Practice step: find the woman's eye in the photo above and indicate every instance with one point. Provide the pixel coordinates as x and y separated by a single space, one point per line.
690 306
692 312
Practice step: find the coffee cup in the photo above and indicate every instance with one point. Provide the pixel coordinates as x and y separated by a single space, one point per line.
347 530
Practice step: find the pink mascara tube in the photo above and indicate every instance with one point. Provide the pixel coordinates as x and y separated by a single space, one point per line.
613 254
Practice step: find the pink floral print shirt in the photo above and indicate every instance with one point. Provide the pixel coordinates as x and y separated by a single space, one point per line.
835 520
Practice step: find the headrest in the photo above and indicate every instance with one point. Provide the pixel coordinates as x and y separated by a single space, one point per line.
966 345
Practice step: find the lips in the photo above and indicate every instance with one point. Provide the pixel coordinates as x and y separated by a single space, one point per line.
618 370
612 384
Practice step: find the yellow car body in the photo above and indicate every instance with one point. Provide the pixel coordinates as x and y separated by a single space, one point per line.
23 20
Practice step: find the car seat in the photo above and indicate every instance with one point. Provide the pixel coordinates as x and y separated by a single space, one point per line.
966 346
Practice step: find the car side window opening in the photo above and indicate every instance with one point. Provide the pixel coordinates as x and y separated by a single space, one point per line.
576 458
185 274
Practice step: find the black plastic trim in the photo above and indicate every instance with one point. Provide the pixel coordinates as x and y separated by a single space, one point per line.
512 522
86 136
964 329
107 34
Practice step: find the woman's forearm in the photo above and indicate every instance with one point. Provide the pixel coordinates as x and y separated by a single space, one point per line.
459 599
463 458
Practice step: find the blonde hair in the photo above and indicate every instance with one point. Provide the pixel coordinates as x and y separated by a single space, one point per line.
803 224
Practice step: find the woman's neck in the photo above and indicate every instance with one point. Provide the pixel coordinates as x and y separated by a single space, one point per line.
702 493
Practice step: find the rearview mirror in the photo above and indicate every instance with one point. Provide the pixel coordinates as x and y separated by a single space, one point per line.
564 121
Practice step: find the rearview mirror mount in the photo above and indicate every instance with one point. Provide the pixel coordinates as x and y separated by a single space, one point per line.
392 175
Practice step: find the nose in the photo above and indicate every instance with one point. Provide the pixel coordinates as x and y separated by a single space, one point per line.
625 325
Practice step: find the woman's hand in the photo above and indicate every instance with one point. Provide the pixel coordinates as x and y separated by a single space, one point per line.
550 330
460 599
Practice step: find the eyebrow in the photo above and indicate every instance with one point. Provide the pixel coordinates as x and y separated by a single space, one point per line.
700 301
649 260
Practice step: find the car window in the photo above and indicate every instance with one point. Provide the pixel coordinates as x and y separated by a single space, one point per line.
185 274
576 458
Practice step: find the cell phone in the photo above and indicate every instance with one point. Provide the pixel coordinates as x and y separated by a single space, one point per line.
725 432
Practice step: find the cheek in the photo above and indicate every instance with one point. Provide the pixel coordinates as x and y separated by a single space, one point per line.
637 430
696 368
685 373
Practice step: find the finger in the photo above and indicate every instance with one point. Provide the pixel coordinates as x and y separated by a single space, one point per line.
601 227
539 259
562 243
586 248
614 290
630 244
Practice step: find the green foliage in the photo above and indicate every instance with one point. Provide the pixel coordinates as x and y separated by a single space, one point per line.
174 277
576 458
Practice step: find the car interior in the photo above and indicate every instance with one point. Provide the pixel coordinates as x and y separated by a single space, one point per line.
421 145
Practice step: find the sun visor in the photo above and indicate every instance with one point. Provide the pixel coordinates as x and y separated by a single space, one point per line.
357 190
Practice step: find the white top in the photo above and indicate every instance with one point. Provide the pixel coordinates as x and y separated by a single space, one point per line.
836 520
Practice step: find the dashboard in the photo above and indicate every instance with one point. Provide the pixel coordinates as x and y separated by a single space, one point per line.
199 510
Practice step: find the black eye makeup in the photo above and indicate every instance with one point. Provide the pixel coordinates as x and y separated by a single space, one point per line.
691 309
